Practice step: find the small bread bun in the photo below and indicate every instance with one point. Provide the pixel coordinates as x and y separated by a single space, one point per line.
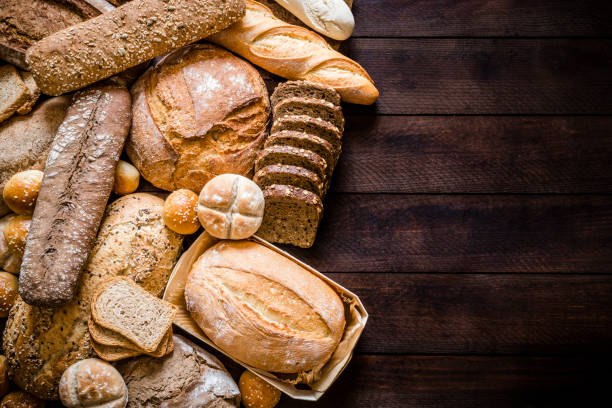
21 399
231 207
9 290
180 212
16 233
21 191
92 383
5 383
127 178
256 393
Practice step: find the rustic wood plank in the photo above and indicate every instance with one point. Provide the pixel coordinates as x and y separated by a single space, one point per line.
486 76
415 233
475 155
483 314
442 381
482 18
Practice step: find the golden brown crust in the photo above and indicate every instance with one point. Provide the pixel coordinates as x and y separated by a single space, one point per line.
92 383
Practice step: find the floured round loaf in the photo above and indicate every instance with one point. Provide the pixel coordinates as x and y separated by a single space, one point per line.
263 309
200 112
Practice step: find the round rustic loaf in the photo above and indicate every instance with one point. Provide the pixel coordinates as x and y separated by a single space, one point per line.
200 112
40 343
231 206
92 383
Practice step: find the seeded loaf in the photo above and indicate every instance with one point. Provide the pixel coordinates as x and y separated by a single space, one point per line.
13 92
198 113
293 156
40 343
33 93
313 126
304 89
78 179
310 107
289 175
305 141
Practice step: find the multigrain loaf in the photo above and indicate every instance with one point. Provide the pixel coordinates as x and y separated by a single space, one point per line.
310 107
293 156
275 316
305 141
25 140
310 125
304 89
77 182
125 37
289 175
40 343
13 92
187 377
292 215
198 113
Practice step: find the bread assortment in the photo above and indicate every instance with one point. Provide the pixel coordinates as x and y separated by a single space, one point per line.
81 279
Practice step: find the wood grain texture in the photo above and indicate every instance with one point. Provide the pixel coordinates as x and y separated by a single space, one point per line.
486 76
442 233
482 18
483 314
475 155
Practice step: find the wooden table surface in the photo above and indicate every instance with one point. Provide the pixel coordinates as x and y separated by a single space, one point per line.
471 209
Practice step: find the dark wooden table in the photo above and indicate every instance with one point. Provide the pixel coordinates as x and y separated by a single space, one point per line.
471 209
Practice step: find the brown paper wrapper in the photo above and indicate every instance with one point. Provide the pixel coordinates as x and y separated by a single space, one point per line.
355 314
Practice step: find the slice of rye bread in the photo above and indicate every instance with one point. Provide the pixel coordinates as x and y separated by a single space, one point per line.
291 215
33 91
310 107
289 175
113 353
293 156
124 307
108 337
305 141
313 126
304 89
13 92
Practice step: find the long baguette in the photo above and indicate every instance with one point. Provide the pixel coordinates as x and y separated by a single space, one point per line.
125 37
295 52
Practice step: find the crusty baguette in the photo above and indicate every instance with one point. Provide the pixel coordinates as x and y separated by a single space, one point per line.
125 37
78 179
295 52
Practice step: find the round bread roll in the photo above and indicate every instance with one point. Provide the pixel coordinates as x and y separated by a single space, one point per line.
127 178
16 233
5 383
9 290
92 383
180 212
231 207
21 399
21 191
200 112
256 393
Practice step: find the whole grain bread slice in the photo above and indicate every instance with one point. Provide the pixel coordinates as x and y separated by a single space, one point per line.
13 92
124 307
293 156
113 353
313 126
291 215
310 107
306 141
305 89
289 175
108 337
33 93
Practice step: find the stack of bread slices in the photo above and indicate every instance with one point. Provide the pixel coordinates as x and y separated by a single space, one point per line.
294 168
18 92
127 321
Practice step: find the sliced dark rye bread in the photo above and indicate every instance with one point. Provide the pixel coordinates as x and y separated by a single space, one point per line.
310 107
291 215
313 126
305 141
289 175
293 156
304 89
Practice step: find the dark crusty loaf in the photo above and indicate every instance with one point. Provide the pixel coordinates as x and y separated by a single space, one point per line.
289 175
78 179
125 37
25 140
305 141
293 156
313 126
304 89
310 107
291 216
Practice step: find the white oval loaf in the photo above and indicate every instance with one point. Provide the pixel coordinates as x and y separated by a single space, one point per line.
263 309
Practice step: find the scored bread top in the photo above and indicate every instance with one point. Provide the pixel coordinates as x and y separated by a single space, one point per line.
275 315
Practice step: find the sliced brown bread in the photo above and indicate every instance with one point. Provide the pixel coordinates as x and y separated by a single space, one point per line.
291 215
310 107
33 92
124 307
113 353
313 126
305 141
13 92
293 156
108 337
289 175
304 89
